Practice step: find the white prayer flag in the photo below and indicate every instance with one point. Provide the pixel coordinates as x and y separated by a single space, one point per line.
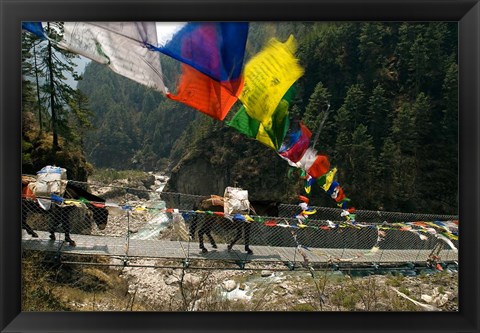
125 51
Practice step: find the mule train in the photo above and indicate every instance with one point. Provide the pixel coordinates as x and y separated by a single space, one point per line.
206 222
76 219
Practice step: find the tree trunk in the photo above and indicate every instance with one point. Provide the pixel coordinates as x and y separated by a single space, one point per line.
52 100
38 91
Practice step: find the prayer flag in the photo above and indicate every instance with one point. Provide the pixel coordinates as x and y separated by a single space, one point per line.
329 179
216 49
314 164
35 28
319 167
124 55
143 32
245 124
268 76
204 94
295 152
271 137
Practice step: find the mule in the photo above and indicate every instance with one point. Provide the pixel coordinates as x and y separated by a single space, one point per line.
266 208
62 215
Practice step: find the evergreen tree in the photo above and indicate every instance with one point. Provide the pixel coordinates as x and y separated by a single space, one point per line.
362 167
51 65
446 173
375 42
405 172
355 105
30 73
343 142
379 116
81 116
385 176
449 119
54 115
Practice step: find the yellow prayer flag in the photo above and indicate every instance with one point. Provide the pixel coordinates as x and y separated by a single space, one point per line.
73 203
268 76
264 138
329 179
249 218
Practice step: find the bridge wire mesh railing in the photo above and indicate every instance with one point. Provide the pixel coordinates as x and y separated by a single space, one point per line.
134 223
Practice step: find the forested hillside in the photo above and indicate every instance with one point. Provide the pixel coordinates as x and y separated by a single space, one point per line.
391 130
392 127
134 127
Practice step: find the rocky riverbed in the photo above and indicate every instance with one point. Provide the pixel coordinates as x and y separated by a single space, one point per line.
173 289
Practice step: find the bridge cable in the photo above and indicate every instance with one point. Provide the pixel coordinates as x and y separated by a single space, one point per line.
321 125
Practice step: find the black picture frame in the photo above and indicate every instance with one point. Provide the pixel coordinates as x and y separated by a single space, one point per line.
465 12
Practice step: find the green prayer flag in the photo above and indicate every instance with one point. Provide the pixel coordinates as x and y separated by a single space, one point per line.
274 131
243 123
280 124
322 180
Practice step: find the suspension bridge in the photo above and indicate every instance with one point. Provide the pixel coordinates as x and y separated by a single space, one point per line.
148 230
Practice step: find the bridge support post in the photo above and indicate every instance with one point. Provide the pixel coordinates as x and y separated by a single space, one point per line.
290 265
240 264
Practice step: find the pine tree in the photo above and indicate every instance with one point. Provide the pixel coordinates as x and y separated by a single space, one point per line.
51 64
30 73
81 115
404 163
385 176
375 43
379 116
362 167
447 172
355 104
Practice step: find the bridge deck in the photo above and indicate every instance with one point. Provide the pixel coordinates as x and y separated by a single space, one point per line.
120 246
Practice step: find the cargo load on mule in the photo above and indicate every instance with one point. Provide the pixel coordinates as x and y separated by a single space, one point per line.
50 200
231 211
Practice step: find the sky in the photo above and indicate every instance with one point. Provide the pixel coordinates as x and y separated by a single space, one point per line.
166 29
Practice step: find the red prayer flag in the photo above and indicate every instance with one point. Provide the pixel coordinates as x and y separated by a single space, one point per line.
295 152
98 204
340 195
319 167
206 95
270 223
303 198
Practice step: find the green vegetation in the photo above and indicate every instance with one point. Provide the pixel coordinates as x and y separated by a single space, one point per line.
55 116
48 285
37 289
393 91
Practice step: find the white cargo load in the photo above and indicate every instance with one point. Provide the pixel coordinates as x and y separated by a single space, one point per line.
236 201
51 179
